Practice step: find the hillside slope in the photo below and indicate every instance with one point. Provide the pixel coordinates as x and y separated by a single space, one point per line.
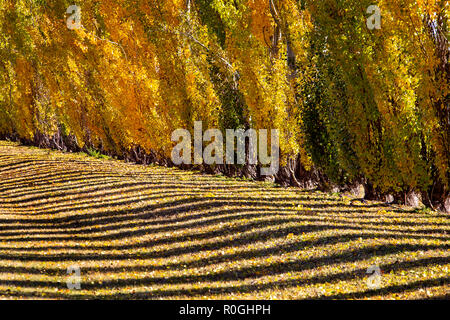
152 232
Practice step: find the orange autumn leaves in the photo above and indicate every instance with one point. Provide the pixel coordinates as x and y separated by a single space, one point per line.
136 71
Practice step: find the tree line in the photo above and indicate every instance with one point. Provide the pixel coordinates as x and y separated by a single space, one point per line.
351 103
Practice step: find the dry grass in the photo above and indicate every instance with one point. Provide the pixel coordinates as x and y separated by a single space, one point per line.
158 233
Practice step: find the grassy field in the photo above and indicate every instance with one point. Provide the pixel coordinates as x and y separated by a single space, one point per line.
141 232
